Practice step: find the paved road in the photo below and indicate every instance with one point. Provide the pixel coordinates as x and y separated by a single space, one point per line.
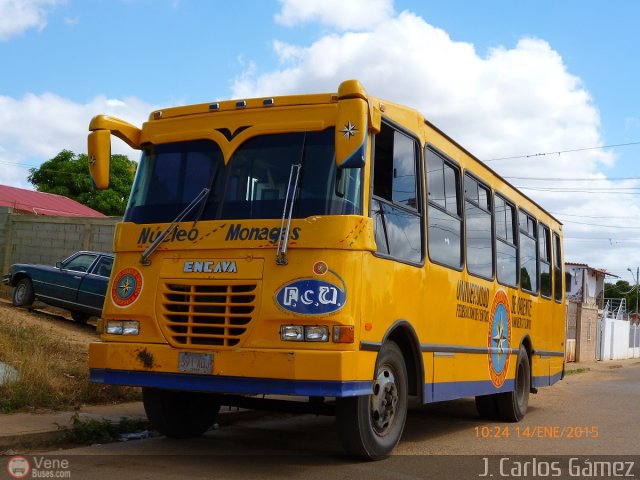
593 413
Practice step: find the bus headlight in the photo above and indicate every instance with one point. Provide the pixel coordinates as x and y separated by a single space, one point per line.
316 333
292 333
300 333
123 327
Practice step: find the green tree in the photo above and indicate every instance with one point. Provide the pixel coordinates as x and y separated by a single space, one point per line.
622 289
67 174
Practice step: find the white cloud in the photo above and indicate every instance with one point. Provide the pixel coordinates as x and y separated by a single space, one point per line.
35 128
340 14
16 16
514 101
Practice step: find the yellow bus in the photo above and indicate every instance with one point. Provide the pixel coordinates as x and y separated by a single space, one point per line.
335 248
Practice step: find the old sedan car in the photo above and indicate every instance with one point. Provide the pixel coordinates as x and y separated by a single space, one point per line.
78 283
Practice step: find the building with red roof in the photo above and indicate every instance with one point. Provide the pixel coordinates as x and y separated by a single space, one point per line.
40 203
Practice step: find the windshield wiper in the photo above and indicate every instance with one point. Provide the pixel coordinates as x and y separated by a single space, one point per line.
283 240
203 205
144 258
289 201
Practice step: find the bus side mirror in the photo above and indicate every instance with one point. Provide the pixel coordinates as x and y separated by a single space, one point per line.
99 150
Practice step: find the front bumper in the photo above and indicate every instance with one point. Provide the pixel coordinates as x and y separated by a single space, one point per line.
256 371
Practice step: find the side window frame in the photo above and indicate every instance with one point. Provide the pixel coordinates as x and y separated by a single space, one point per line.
558 268
491 211
95 269
88 268
542 261
515 233
525 232
418 211
459 216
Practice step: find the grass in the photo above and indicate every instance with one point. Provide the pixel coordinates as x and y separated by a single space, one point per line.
90 431
53 372
575 371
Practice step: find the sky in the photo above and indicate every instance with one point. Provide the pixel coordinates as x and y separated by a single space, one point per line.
544 91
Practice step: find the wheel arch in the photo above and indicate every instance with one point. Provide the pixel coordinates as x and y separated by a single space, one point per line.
405 336
17 276
527 343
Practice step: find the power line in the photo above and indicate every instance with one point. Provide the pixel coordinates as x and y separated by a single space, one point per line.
621 191
574 179
591 216
563 151
600 225
611 240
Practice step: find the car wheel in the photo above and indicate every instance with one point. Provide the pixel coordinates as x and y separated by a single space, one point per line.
23 293
371 426
80 317
178 414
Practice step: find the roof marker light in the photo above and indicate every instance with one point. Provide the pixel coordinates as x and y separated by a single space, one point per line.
157 115
214 107
268 102
241 103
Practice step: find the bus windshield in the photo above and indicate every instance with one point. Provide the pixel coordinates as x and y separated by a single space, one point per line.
252 185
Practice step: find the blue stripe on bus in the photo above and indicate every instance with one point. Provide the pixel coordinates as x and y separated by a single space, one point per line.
546 381
209 383
441 391
433 392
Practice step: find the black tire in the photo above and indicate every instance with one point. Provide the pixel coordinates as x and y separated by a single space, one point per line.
487 406
179 414
512 406
23 293
80 317
370 426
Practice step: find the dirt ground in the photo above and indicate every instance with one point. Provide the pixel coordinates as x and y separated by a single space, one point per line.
55 321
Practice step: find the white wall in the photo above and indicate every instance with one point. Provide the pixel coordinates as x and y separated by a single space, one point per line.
615 339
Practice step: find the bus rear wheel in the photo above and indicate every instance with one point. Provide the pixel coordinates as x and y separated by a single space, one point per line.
512 406
487 406
370 426
178 414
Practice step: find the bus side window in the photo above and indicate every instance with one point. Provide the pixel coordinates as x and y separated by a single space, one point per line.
396 206
506 249
444 215
544 265
479 237
557 267
528 253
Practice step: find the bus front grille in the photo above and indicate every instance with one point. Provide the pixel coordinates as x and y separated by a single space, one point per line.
207 314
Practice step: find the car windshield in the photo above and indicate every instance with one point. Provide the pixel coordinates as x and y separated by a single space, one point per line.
252 185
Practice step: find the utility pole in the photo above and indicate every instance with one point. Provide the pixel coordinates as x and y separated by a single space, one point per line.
636 278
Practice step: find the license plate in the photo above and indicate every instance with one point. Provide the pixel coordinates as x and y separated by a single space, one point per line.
189 362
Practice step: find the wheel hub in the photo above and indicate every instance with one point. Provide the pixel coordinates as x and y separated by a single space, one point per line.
384 401
21 291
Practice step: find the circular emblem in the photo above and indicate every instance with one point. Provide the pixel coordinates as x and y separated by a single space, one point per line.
499 339
126 287
18 467
320 268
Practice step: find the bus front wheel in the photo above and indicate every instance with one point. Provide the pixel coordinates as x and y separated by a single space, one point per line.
179 414
371 426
